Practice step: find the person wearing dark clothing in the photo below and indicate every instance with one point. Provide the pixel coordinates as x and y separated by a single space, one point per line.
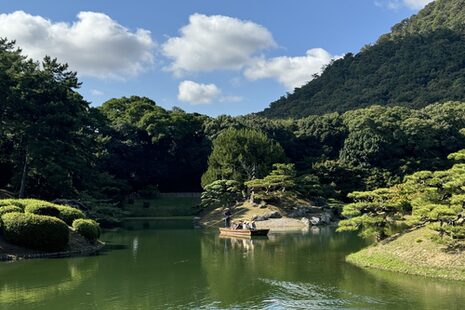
227 218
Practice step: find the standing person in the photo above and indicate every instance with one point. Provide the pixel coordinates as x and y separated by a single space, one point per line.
227 218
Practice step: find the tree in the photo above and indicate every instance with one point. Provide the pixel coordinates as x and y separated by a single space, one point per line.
374 213
221 193
279 183
242 155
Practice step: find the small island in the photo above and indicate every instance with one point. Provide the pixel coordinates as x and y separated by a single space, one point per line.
31 228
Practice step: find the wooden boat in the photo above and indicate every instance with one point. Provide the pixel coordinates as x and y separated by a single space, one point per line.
243 232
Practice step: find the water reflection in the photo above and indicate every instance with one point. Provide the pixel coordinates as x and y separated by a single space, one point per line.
157 267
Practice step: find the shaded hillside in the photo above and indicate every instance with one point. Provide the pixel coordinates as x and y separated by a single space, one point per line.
420 62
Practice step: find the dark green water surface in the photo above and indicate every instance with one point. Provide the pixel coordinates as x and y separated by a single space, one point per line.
169 265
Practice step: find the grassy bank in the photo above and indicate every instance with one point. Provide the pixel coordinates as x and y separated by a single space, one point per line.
414 253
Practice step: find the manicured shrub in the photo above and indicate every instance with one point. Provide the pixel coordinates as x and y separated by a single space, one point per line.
9 209
12 202
39 232
68 214
39 209
87 228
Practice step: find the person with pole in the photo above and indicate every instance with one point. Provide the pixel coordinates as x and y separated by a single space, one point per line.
227 217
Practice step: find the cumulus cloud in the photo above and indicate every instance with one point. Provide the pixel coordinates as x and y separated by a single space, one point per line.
395 4
209 43
94 45
196 93
292 72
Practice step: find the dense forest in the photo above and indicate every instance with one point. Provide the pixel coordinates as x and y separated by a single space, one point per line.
54 145
420 62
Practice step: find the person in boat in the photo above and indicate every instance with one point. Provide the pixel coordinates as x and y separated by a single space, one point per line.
252 226
227 217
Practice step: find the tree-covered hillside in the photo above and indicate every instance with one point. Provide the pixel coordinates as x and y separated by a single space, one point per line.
420 62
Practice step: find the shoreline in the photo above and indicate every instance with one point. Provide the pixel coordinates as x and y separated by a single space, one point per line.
61 254
413 253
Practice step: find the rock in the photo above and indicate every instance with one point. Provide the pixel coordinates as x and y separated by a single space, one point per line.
306 221
304 211
258 218
273 215
326 218
315 220
266 216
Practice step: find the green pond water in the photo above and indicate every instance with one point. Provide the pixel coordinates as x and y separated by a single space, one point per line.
169 265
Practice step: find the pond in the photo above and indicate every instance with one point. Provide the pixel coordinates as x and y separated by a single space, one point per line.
169 265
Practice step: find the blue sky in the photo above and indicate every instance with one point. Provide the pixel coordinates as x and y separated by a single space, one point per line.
212 57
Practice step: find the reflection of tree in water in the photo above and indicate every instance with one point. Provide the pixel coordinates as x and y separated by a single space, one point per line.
235 268
158 269
33 282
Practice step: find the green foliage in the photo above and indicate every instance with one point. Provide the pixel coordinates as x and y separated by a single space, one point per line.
148 146
279 183
221 193
68 214
35 231
420 62
43 210
375 213
41 207
9 209
87 228
432 198
242 155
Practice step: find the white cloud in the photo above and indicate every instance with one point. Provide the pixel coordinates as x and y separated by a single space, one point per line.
94 45
215 42
97 93
196 93
290 71
396 4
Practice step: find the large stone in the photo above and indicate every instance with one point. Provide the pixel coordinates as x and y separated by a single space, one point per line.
266 216
304 211
315 220
273 215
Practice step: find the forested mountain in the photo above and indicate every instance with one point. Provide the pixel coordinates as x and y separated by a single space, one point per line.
420 62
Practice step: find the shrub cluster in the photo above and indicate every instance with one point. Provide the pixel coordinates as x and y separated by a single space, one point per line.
9 209
39 207
42 209
69 215
39 232
87 228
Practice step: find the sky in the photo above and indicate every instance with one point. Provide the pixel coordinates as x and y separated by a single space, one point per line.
207 56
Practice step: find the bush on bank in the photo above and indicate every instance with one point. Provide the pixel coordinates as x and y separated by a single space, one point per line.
40 207
39 232
9 209
87 228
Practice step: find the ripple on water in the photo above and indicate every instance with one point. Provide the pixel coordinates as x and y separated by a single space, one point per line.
298 295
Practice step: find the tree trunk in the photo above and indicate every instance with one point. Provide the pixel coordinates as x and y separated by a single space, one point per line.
22 189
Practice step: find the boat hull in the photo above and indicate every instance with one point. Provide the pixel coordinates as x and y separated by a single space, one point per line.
243 232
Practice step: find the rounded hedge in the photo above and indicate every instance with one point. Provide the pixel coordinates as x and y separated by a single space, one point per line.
87 228
69 214
39 209
39 232
65 213
9 209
